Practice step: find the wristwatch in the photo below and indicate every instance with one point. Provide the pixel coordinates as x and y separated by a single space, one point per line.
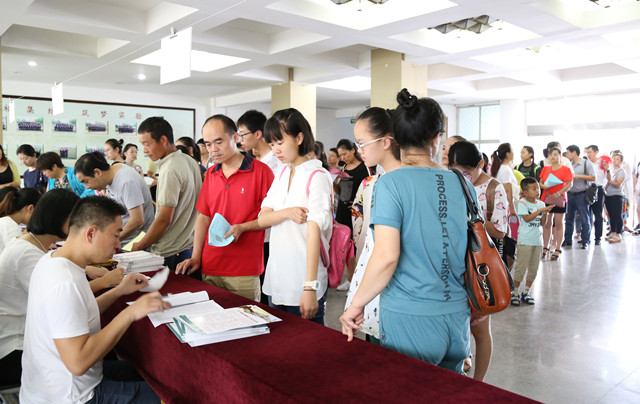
315 285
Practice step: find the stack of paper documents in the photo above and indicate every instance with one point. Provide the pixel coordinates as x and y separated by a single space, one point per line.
139 261
221 325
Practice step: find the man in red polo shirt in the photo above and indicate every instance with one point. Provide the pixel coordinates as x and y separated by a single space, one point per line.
234 187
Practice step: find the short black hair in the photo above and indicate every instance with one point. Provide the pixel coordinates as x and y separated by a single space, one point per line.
291 122
13 199
27 150
594 148
51 211
380 124
157 126
573 148
227 123
47 160
464 154
89 162
416 122
200 141
526 181
99 211
253 120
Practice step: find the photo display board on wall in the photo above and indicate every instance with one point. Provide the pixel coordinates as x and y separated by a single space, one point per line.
83 127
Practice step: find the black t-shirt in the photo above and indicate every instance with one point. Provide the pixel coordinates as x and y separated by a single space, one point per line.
532 170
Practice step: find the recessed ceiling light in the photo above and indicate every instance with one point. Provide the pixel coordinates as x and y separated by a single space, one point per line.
32 63
355 84
142 76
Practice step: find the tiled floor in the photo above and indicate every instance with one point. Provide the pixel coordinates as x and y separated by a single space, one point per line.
580 342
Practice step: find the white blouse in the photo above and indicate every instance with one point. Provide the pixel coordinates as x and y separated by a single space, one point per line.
17 262
286 270
8 231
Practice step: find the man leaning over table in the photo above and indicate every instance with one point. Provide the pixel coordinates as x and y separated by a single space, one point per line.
122 184
234 187
64 342
179 183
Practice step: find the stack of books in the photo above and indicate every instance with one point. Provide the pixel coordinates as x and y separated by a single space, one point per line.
139 261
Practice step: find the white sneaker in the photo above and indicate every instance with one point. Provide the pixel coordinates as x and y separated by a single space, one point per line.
344 286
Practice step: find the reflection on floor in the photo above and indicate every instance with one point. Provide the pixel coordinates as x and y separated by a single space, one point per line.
579 343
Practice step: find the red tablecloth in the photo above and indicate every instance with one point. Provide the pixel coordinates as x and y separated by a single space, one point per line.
299 361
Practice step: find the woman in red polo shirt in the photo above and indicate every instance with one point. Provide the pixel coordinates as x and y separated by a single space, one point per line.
555 180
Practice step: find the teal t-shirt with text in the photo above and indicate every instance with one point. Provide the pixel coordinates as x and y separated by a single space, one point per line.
530 233
428 207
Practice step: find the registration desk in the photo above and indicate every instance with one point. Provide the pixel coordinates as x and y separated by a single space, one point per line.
298 362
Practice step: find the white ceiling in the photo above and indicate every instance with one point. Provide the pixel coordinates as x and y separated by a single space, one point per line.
574 46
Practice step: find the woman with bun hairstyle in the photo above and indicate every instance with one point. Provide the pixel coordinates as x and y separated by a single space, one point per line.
374 137
419 216
298 210
16 207
113 151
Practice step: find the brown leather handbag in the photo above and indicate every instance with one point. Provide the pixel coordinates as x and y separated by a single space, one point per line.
487 281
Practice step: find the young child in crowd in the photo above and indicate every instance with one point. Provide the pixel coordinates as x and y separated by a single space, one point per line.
533 215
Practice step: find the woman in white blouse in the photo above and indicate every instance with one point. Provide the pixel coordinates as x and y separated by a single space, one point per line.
298 210
16 207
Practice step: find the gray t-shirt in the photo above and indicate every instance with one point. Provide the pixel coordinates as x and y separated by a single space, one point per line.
609 189
580 185
129 189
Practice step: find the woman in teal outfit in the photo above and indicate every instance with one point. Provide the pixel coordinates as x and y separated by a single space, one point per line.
419 219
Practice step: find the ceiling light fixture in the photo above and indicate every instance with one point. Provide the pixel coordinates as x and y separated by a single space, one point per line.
32 63
476 24
358 5
338 2
142 76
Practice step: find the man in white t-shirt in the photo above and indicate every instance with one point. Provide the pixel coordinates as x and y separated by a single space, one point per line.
123 184
64 343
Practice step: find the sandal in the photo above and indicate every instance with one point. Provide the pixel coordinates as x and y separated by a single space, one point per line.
555 255
545 251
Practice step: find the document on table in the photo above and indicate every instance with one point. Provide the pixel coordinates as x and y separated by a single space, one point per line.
228 319
194 309
129 245
180 299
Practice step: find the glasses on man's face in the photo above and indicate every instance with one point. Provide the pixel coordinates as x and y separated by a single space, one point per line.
362 145
242 135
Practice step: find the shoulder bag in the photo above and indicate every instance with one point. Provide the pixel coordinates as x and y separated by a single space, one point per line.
591 194
486 279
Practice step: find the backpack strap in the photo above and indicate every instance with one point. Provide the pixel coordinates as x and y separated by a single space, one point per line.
282 172
491 197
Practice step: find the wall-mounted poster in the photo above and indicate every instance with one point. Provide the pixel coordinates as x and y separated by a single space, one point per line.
97 127
91 149
30 124
126 128
64 125
83 126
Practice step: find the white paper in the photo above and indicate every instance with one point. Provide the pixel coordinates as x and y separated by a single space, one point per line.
176 56
167 316
230 319
57 100
157 281
12 111
180 299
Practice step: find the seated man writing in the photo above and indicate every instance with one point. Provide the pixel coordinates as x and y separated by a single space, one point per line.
64 343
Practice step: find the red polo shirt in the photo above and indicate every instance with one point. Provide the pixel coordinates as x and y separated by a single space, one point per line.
237 198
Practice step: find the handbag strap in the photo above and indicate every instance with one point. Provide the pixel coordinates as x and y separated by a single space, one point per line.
472 207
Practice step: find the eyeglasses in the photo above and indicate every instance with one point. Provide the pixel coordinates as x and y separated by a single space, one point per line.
362 145
242 135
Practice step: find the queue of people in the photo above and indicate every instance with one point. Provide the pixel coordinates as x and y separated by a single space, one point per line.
279 191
